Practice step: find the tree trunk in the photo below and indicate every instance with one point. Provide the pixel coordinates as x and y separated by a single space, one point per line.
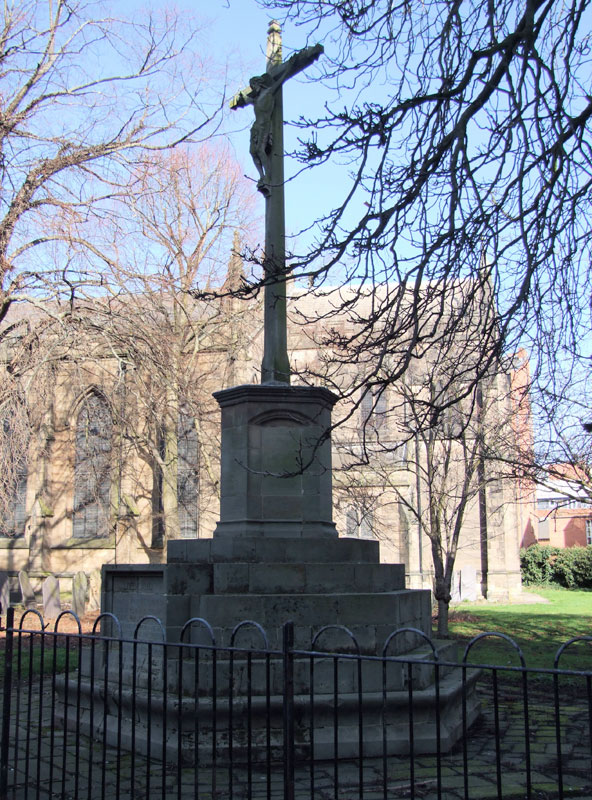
443 608
170 469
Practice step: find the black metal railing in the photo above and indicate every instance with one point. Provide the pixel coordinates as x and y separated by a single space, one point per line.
97 715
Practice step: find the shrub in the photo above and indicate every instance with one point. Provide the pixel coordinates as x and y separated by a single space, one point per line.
536 563
570 567
573 568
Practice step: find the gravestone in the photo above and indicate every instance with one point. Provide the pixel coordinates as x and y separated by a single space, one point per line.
468 583
4 591
94 591
52 606
27 593
79 593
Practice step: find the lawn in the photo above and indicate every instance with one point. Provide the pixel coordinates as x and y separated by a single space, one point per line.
32 655
539 629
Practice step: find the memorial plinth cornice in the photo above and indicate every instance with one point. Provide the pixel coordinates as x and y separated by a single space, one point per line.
275 393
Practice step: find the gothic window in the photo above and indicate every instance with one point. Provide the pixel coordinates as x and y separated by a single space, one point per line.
92 469
400 453
187 476
373 407
366 525
366 406
14 446
359 523
187 483
351 522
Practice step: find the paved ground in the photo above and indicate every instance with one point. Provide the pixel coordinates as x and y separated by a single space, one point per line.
83 769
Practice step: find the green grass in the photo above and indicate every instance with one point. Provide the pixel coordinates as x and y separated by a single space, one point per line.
537 628
32 660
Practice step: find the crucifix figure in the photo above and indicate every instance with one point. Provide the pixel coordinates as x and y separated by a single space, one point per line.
264 93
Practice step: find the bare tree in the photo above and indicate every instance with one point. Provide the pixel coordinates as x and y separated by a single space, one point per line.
85 100
465 128
82 100
437 479
455 463
174 231
15 432
410 450
27 377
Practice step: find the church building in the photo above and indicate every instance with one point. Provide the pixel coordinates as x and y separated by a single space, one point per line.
111 440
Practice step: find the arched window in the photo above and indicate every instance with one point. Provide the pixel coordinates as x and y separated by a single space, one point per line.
373 408
351 522
359 522
92 469
14 432
187 483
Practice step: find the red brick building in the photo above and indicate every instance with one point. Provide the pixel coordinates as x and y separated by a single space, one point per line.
564 510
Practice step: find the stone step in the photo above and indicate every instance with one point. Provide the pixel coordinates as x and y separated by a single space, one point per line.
371 617
385 720
266 675
270 578
267 550
284 578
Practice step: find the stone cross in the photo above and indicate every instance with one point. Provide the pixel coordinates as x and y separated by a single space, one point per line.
264 93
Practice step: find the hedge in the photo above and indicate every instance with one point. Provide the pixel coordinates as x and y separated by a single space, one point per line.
570 567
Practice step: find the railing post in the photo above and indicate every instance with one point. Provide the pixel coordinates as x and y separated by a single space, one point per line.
288 664
4 745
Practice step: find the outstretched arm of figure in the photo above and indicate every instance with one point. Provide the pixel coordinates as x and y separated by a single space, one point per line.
242 98
276 76
293 65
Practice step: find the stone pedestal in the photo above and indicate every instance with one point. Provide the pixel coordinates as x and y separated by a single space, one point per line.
275 554
276 462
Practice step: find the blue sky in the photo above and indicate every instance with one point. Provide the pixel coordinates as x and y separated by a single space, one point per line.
240 27
235 33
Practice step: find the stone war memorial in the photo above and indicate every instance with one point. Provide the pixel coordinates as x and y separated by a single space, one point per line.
275 555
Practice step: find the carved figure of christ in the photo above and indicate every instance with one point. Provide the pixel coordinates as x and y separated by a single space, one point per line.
267 150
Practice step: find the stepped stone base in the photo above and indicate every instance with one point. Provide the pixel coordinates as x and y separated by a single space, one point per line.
338 596
270 581
275 558
181 725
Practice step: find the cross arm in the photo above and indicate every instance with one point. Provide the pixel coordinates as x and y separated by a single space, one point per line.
277 75
296 63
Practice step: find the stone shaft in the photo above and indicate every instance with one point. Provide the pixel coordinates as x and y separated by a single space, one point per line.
275 366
